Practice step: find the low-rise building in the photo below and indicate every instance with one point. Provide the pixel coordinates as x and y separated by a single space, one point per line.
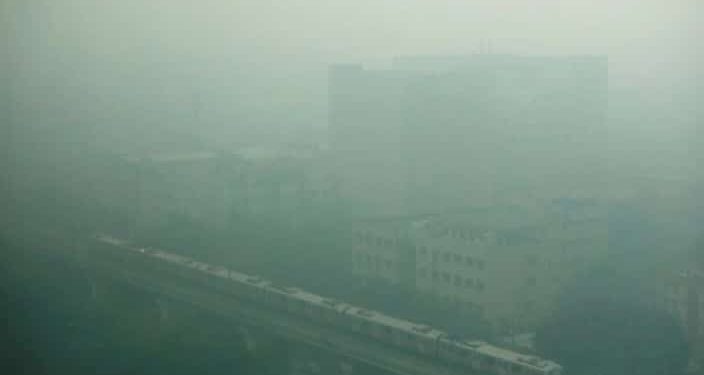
505 264
282 185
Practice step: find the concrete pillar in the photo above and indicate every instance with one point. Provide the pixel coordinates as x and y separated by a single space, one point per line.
163 309
249 342
93 290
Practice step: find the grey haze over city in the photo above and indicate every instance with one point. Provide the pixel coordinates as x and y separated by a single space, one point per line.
352 187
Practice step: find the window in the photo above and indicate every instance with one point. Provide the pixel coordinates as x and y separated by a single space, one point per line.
446 277
468 261
468 282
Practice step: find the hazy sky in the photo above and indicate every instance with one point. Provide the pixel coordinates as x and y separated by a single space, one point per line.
662 31
261 52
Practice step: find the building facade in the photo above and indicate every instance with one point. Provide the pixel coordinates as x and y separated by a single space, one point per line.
682 295
271 186
429 135
506 264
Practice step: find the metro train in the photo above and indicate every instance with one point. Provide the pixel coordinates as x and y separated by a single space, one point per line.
402 334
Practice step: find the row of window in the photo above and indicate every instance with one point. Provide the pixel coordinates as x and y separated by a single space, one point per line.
450 279
463 234
372 240
374 262
459 302
458 259
502 239
422 251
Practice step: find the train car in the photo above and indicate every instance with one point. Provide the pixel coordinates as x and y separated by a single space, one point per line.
397 332
481 356
464 353
241 284
402 334
282 298
332 312
256 290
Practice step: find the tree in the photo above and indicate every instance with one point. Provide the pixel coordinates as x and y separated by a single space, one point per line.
605 325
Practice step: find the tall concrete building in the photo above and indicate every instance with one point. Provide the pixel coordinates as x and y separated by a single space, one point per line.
432 134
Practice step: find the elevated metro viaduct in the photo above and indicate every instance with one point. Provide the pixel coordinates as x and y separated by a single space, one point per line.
311 348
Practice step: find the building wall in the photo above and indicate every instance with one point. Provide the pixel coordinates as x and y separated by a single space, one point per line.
510 270
484 129
277 186
682 295
188 187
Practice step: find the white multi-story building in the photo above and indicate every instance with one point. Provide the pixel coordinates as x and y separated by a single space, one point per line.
487 262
